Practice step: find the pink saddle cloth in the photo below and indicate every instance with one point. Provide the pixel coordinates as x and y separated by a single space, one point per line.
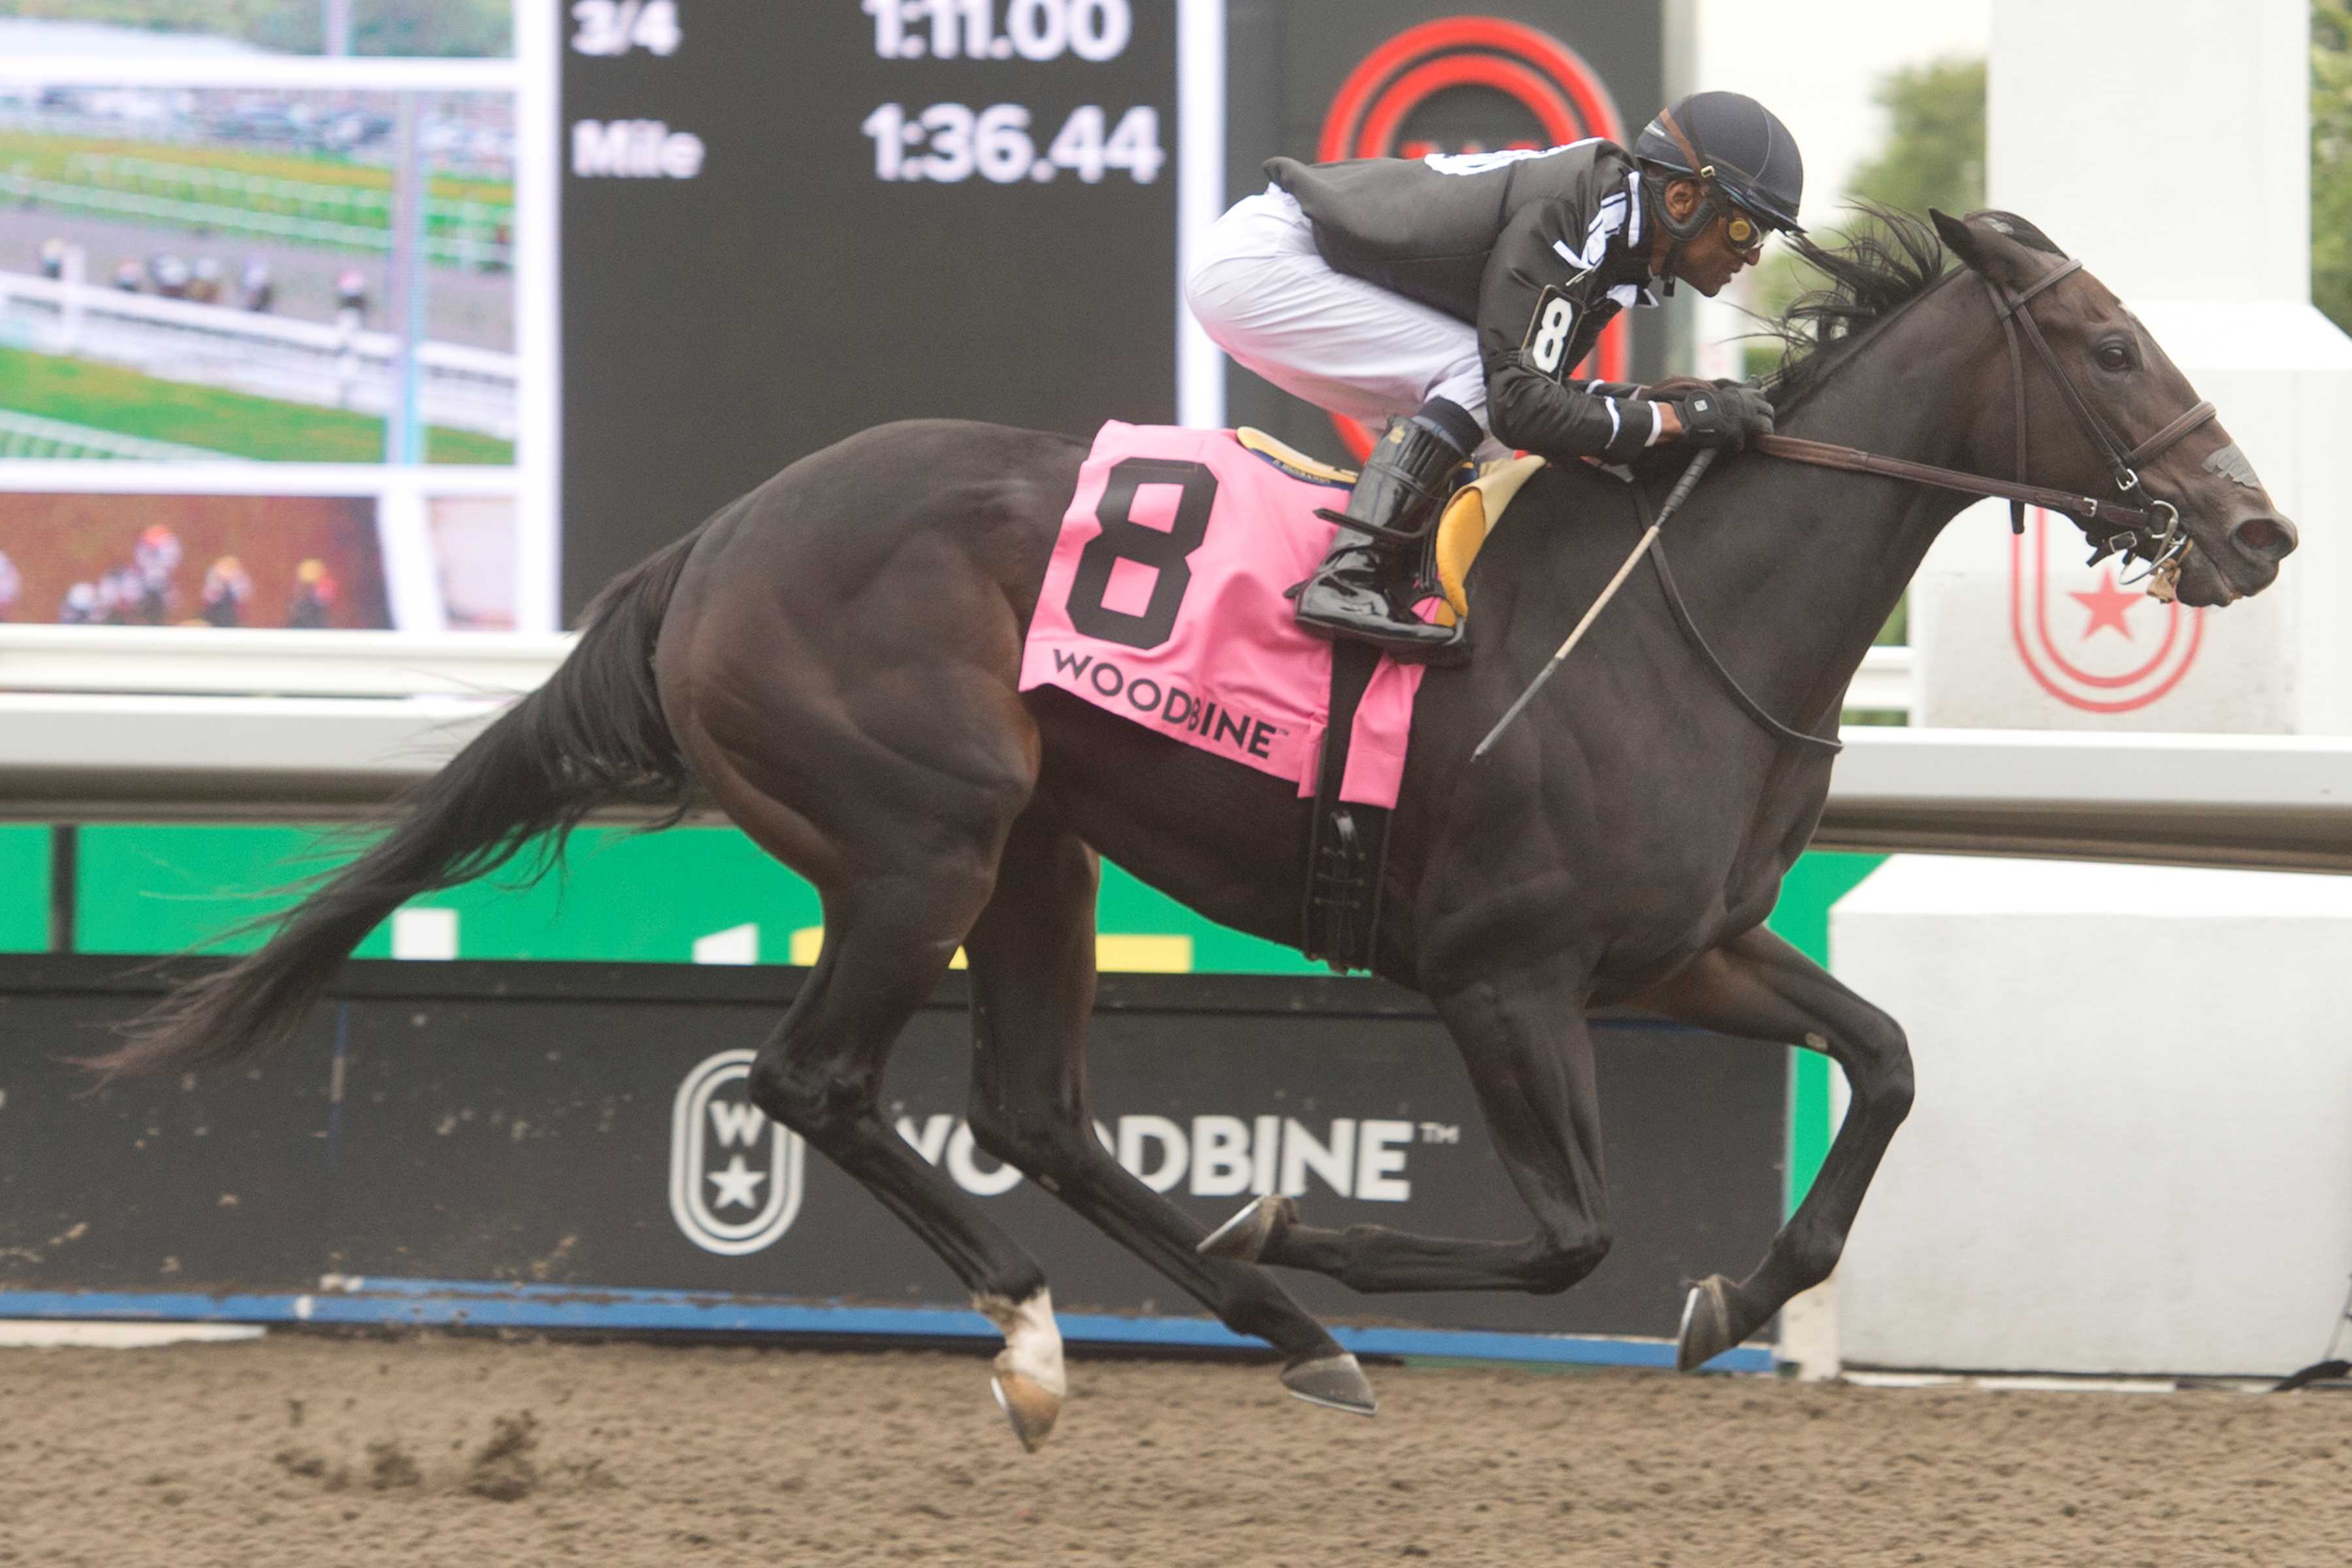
1164 604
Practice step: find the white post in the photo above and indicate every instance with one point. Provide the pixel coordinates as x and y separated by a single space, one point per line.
538 222
2167 145
411 567
2094 1179
1199 198
74 301
406 281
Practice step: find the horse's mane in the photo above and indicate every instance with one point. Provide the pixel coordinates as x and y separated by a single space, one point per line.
1893 260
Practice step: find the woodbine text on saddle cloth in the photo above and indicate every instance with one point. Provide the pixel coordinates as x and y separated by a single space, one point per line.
1199 644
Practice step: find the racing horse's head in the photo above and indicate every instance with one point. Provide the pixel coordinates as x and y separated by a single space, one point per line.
2094 406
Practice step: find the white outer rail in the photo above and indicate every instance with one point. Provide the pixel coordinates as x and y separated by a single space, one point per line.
133 724
134 659
188 662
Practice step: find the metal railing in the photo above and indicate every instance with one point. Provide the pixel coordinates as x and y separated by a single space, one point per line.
324 364
136 724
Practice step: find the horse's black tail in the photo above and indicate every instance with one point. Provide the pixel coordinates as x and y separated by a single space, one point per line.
593 735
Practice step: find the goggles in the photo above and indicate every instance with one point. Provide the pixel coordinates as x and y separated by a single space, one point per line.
1746 233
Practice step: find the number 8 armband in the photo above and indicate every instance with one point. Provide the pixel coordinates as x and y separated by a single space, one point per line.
1550 331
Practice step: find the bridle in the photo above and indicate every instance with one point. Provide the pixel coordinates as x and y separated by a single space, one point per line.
2164 548
2152 533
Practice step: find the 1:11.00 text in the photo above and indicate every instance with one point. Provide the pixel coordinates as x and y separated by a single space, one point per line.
1034 29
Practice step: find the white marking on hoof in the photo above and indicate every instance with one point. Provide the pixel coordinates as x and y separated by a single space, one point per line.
1030 1383
1333 1382
1690 1352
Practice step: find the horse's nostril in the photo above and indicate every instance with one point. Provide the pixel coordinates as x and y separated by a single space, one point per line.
2265 538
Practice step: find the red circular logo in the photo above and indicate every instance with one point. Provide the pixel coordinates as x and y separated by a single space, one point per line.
1419 93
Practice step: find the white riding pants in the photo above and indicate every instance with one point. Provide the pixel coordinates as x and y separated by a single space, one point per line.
1266 296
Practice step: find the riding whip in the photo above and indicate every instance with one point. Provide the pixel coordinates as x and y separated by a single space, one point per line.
1675 497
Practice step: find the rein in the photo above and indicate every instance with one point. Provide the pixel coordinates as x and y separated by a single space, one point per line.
2134 531
1855 461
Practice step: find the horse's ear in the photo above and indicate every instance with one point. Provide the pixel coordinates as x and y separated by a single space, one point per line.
1959 239
1989 242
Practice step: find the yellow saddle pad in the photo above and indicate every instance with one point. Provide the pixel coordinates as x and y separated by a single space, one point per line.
1290 459
1469 517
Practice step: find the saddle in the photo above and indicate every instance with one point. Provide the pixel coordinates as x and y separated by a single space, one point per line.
1469 516
1346 851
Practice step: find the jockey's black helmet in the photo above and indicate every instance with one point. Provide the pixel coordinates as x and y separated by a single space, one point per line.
1734 143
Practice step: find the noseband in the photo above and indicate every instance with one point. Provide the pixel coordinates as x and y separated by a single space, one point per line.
2141 538
2152 533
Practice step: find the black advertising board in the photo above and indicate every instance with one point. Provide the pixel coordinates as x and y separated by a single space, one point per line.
783 224
578 1126
1407 77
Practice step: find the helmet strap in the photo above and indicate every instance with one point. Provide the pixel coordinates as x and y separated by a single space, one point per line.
1653 186
1691 227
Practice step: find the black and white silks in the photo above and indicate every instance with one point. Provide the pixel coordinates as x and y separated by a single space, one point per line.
1537 250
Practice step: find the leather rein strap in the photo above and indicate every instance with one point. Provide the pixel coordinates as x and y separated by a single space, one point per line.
1855 461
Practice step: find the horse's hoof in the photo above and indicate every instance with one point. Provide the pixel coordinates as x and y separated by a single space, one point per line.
1027 1406
1706 1324
1245 1237
1334 1382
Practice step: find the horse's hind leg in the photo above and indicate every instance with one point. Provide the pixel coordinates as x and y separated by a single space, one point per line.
889 934
1032 974
1758 987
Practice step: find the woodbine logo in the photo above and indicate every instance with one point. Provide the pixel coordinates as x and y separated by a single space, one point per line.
734 1175
1171 704
1215 1156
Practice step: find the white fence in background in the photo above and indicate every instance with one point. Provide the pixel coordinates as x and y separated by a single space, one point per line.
140 724
464 388
28 435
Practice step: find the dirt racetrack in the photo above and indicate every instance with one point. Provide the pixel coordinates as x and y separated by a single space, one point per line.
317 1452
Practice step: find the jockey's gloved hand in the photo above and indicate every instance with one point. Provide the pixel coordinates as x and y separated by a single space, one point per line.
1725 415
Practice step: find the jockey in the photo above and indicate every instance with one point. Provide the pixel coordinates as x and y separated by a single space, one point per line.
1462 290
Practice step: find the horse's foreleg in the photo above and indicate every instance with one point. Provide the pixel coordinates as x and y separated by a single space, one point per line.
1530 1056
1032 983
1759 987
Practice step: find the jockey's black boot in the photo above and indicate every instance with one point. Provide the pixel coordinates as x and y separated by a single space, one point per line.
1363 589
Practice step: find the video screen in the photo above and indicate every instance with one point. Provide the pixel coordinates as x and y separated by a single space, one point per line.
281 291
191 274
454 28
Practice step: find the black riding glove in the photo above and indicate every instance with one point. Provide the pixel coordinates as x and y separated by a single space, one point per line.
1725 415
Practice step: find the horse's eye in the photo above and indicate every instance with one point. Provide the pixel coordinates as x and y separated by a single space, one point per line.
2114 356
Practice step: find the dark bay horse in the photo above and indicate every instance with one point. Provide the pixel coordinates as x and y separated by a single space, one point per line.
832 660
